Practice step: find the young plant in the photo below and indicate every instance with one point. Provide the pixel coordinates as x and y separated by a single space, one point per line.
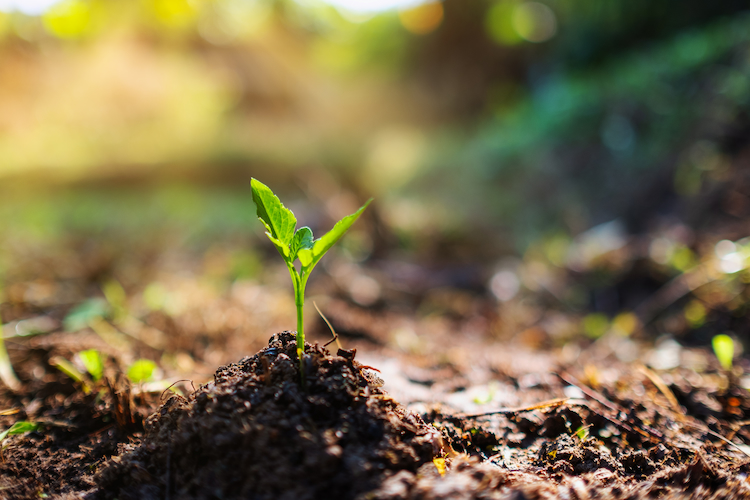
19 428
296 244
93 362
141 370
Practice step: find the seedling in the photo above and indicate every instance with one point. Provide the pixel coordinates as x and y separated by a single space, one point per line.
19 428
582 433
141 371
91 360
70 370
296 244
93 363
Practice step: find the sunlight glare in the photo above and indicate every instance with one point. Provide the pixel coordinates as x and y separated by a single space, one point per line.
28 7
371 6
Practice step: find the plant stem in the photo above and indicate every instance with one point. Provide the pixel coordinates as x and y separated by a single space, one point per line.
299 301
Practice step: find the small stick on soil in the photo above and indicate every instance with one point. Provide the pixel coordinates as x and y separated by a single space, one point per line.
599 398
553 403
659 383
335 335
735 427
719 436
569 379
161 398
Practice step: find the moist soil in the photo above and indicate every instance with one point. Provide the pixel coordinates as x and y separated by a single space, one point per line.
257 432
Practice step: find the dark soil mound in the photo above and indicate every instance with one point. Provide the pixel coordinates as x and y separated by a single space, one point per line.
255 432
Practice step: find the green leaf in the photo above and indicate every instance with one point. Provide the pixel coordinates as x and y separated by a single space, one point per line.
281 247
19 428
582 433
67 368
310 257
280 223
141 371
303 239
93 362
724 349
279 220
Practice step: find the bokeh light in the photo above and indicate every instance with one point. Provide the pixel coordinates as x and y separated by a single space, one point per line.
423 18
534 21
68 19
370 6
28 7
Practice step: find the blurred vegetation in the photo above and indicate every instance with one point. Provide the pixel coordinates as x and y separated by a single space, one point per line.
567 159
587 146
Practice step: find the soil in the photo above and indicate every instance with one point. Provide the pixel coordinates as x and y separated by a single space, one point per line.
79 431
257 432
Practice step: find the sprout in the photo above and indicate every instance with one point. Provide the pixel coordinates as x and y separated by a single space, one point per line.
297 244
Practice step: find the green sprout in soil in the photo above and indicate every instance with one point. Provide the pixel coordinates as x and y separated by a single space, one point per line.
91 360
582 433
19 428
296 244
93 363
141 370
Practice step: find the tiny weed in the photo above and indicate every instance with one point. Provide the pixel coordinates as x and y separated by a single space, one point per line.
93 362
141 371
582 433
724 349
71 371
19 428
297 244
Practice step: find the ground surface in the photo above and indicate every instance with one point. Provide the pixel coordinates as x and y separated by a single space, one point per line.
541 377
508 423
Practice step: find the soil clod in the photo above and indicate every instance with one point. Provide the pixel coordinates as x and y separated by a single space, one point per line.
255 432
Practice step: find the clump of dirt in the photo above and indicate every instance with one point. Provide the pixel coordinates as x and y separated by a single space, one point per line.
257 432
61 457
77 431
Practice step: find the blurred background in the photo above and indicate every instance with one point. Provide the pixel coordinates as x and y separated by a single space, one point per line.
553 174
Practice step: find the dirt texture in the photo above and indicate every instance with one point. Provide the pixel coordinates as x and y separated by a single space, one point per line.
78 430
617 430
258 432
607 445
